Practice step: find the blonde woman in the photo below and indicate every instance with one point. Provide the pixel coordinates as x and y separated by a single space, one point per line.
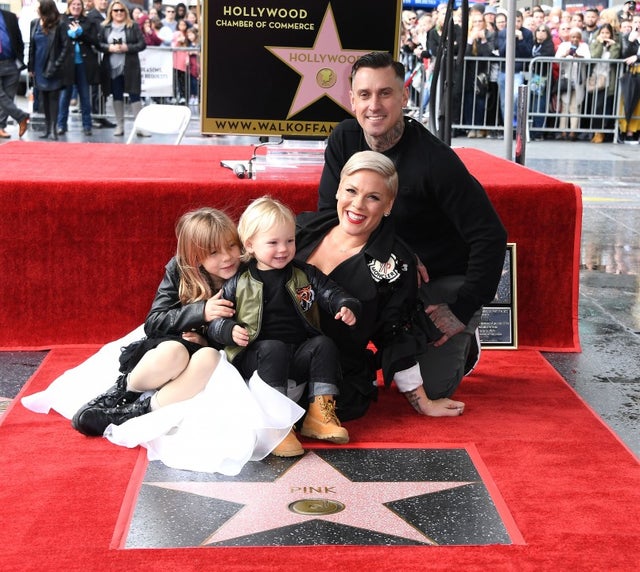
573 75
479 45
121 40
602 80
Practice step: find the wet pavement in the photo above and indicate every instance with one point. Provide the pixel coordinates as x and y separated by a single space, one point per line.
606 374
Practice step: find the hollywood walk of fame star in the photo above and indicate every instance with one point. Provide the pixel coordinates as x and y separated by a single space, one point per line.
324 68
266 505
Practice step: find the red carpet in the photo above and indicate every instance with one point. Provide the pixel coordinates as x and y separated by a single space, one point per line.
87 229
570 485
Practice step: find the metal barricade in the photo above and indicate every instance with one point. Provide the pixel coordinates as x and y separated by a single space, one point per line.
568 95
584 104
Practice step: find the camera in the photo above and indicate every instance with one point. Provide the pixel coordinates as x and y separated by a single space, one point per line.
116 41
572 51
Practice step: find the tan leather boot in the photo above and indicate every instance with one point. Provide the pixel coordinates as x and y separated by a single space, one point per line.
289 447
322 422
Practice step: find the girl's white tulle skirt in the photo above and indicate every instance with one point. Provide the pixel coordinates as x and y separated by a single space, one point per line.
227 424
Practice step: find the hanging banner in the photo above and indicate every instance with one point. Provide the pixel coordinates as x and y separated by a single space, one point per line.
281 67
156 66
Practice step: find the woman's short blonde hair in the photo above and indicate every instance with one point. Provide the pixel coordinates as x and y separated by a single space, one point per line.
376 162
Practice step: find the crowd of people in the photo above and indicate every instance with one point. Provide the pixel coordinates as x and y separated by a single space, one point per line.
90 52
383 283
570 91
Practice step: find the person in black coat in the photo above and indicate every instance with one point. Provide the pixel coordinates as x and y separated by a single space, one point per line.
541 78
83 71
11 62
121 40
442 212
97 15
48 51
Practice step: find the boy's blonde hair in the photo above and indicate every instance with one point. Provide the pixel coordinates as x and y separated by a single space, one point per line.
261 215
201 232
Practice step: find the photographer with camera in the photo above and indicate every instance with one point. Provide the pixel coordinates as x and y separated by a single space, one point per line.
628 10
602 81
121 40
572 81
83 34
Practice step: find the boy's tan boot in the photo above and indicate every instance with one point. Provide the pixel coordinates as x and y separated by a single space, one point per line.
321 421
289 447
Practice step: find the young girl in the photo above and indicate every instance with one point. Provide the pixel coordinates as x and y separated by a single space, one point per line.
180 59
276 328
194 65
174 358
177 396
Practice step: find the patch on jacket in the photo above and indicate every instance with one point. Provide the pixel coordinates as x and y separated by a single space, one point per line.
388 270
306 297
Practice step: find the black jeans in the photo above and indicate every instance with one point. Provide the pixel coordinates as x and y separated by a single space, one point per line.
314 361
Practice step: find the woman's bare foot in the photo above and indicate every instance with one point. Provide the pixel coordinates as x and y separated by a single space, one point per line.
444 407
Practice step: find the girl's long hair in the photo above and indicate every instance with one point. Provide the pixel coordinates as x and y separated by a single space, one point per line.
201 232
49 15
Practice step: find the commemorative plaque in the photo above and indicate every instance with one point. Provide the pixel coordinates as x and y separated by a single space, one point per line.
499 325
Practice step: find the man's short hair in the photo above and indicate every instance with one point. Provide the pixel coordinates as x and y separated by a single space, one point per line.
378 60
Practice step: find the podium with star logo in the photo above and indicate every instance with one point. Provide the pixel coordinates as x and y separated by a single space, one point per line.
281 67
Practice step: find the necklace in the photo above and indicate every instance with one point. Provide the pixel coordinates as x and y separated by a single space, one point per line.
340 247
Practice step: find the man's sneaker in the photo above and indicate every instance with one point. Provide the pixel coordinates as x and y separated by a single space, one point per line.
95 420
114 396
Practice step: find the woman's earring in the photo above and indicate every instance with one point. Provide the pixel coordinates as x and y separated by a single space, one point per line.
387 214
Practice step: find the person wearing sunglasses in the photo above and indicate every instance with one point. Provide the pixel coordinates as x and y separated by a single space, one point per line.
121 40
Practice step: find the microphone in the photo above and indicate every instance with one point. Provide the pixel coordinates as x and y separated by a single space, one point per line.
247 172
240 171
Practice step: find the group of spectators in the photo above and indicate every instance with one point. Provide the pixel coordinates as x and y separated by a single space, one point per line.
572 91
177 27
90 52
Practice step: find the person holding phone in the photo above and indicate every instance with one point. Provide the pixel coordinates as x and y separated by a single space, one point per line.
83 36
572 75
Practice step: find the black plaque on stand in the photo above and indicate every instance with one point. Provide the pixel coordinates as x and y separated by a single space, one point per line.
499 325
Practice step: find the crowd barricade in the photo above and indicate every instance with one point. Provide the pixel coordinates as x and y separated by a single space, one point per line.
164 82
564 95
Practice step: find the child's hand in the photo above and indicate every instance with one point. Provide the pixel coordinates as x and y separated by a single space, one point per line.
195 337
346 315
218 307
240 336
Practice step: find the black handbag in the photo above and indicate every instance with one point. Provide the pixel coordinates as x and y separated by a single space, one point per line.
482 83
563 85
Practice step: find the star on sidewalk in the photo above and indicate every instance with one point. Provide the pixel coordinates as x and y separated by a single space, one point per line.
324 68
314 484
